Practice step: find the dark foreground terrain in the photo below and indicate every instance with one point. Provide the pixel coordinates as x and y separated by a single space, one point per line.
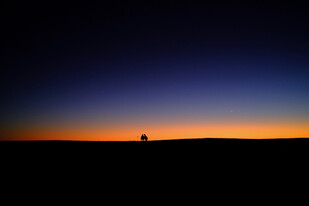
201 164
192 148
143 158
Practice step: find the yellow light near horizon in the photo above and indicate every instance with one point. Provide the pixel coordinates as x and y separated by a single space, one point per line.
166 131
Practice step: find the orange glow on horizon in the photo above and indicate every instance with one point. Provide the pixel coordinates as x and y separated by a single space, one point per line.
161 132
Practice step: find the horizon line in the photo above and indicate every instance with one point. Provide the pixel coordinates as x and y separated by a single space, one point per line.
171 139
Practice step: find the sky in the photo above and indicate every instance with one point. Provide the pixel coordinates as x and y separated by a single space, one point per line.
113 71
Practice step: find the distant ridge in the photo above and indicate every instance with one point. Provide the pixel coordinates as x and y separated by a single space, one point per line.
209 139
226 138
199 151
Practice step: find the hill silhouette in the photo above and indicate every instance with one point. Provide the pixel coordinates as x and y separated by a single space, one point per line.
192 141
176 147
179 160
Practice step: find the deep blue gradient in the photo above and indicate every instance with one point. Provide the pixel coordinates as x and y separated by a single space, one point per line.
95 63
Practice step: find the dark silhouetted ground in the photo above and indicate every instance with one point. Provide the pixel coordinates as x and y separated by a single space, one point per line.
136 168
177 149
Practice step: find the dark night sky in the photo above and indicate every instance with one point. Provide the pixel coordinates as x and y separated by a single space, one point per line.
136 63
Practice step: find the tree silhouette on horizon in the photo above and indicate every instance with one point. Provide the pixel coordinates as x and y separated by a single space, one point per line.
144 137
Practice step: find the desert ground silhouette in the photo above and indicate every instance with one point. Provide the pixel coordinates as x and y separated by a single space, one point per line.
208 147
226 159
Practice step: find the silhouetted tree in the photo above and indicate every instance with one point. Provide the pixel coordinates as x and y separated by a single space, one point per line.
144 137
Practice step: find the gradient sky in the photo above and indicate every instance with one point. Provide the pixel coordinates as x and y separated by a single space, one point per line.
98 71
